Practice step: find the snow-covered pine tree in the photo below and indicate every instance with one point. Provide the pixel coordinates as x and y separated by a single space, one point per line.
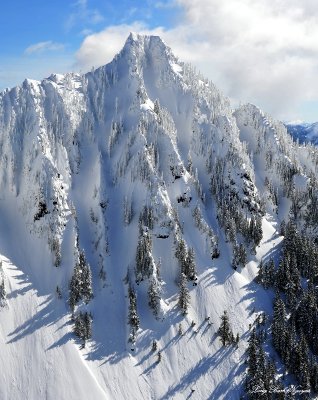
83 326
189 164
157 110
283 228
279 327
239 256
181 253
3 293
260 380
81 282
314 376
146 217
255 229
184 295
300 365
144 261
56 250
154 345
266 273
189 266
225 331
154 292
133 318
58 292
87 290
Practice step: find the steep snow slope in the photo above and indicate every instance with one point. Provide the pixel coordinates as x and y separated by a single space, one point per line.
38 357
82 158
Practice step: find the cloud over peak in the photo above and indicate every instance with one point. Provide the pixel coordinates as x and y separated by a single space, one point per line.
262 52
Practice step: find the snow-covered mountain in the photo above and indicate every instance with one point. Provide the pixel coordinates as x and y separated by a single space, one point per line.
304 132
134 198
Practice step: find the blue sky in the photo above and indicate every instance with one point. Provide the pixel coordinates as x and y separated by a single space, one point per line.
261 52
40 37
23 23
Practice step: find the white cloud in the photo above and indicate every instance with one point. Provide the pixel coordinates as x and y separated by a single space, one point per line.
164 4
86 32
42 47
265 52
259 51
99 48
82 14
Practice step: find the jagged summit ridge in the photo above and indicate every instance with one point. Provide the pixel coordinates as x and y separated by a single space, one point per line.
148 42
136 47
151 46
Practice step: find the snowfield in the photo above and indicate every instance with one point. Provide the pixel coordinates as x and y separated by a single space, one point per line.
42 357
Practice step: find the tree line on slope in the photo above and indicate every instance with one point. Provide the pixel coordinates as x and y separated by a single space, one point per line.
294 326
80 290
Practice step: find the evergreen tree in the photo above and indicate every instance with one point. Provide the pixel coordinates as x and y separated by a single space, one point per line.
269 278
181 254
81 283
157 110
128 211
133 318
189 164
288 277
224 330
314 376
83 326
184 295
239 256
146 217
58 292
261 273
144 261
3 293
87 290
56 250
260 382
266 273
283 228
154 346
237 338
300 363
189 265
279 328
230 228
154 292
306 315
255 231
